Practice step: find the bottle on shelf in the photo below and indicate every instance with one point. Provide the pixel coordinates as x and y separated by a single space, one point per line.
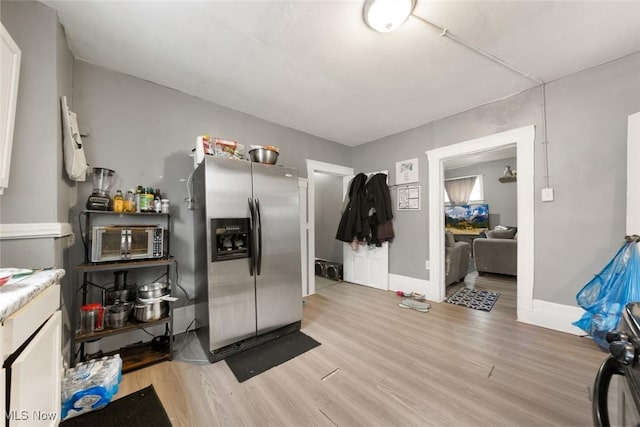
157 201
145 198
138 197
130 202
118 202
148 196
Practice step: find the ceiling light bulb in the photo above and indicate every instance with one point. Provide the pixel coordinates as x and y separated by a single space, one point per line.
387 15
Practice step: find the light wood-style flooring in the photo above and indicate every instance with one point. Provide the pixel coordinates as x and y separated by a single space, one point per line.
382 365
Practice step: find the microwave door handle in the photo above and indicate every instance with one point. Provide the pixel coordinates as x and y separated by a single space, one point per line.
128 254
259 234
251 239
608 369
96 249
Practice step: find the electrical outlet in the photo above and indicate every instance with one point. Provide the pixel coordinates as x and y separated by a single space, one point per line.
547 194
426 265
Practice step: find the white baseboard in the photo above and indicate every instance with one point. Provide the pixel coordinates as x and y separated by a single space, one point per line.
553 316
411 284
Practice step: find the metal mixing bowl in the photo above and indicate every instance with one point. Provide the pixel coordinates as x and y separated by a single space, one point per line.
262 155
153 290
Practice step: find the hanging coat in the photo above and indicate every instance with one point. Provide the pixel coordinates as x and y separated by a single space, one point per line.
379 209
354 223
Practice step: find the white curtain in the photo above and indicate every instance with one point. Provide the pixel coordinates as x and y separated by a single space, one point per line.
459 189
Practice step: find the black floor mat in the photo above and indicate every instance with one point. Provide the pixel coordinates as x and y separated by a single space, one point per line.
258 359
141 408
474 298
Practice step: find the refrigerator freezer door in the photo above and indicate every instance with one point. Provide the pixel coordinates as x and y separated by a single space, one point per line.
278 288
231 288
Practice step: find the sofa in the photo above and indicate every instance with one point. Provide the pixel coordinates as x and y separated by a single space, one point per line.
456 259
497 253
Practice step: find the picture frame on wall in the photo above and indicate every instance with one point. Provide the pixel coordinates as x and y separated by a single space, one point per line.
407 171
408 198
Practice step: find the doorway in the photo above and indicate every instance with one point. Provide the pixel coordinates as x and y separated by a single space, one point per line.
524 140
328 210
313 168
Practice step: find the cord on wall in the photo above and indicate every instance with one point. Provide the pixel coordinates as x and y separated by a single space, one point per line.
446 33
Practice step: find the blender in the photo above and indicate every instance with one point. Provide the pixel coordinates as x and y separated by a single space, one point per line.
100 200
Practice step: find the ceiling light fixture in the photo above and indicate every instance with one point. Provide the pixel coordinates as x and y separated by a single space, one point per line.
385 16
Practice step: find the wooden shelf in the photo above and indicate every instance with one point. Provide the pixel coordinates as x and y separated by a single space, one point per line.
129 326
143 263
504 179
135 356
124 213
139 356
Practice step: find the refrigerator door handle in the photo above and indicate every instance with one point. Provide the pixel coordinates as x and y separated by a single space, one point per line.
251 238
259 235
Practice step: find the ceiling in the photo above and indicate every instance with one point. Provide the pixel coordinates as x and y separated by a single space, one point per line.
316 67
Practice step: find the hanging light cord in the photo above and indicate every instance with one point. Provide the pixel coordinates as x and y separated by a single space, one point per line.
446 33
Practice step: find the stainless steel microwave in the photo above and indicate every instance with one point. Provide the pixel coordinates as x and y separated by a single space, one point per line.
127 242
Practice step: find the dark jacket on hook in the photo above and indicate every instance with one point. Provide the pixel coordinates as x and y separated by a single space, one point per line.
379 209
354 223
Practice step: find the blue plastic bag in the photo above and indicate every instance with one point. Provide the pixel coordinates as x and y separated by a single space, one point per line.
606 295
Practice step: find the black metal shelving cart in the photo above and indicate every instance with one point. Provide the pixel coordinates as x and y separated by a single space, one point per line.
138 355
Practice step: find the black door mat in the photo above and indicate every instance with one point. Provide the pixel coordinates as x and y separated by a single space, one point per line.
473 298
139 409
257 360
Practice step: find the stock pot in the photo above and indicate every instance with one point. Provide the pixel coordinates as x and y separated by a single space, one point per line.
151 309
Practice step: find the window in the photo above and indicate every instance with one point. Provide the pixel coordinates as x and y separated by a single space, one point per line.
477 194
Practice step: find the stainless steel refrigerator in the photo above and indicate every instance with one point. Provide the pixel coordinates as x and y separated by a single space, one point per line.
247 254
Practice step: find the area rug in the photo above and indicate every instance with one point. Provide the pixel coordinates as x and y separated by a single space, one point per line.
256 360
473 298
139 409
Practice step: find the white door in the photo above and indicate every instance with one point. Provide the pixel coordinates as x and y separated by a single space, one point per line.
366 265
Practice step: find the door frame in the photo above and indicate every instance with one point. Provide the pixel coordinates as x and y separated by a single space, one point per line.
524 140
633 174
314 166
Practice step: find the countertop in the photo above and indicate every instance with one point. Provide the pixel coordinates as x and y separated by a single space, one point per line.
13 296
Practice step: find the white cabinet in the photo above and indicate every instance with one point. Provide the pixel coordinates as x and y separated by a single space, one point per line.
30 344
36 379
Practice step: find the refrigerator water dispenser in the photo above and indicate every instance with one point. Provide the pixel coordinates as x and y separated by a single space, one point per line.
230 239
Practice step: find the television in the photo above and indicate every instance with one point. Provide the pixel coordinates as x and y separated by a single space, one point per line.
470 219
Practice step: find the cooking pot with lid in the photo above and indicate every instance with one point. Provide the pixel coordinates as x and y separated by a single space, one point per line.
150 310
117 314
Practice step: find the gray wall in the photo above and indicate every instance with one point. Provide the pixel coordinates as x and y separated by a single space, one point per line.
146 132
39 191
35 180
501 197
328 206
578 233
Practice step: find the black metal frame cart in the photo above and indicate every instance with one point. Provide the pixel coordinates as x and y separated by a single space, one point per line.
133 356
